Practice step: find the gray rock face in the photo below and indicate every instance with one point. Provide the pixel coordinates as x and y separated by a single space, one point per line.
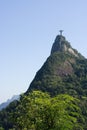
60 69
60 44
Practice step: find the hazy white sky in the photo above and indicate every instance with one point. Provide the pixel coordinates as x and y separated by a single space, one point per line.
27 31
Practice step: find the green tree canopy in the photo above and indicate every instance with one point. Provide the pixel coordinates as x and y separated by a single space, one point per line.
38 111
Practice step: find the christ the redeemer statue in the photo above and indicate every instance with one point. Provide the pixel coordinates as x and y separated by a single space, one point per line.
61 31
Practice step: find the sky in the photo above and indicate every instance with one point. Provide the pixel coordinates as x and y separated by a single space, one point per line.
27 31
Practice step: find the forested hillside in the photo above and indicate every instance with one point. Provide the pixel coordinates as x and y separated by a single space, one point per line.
56 98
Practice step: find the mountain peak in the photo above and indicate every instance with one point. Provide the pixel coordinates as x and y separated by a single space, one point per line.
62 45
61 67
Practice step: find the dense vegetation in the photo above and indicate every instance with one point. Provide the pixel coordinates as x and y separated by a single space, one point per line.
39 111
62 73
57 97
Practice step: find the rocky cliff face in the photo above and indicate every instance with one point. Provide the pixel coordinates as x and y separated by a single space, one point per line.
63 72
62 45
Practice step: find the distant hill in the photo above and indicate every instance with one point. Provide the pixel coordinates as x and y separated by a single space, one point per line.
5 104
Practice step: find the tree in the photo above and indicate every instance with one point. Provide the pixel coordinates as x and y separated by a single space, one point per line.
38 111
1 128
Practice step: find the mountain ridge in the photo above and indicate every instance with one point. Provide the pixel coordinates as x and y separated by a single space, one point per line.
60 69
5 104
57 96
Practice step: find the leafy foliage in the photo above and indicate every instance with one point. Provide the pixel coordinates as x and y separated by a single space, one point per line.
62 73
38 111
60 99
